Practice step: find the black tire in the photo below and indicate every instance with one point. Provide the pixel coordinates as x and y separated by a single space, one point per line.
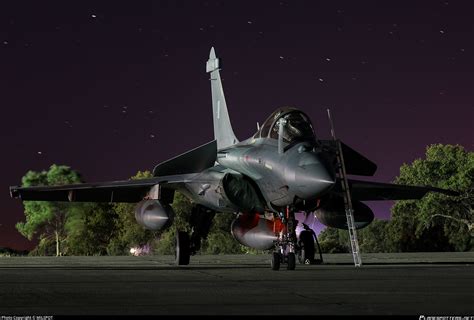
182 252
308 249
291 261
275 263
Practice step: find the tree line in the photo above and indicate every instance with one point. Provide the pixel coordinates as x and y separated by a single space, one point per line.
434 223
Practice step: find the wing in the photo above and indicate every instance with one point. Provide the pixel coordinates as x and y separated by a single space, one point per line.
192 161
366 191
112 191
355 162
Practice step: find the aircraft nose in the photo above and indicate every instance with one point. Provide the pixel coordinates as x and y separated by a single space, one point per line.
314 176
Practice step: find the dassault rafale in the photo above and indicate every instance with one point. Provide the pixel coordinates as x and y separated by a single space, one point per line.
264 180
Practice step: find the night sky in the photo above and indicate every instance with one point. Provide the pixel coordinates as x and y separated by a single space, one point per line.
110 88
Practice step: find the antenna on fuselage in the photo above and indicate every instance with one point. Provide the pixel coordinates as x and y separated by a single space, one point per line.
347 196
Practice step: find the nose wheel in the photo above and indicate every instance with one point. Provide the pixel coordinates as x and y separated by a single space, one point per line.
278 259
291 261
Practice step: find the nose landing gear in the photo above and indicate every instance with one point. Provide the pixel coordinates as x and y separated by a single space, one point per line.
285 245
287 248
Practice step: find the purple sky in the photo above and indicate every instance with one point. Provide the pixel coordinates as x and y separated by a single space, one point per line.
110 88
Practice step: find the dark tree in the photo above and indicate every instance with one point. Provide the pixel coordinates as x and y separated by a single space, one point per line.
48 221
436 222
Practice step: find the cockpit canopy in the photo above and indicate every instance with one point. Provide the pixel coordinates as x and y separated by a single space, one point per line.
296 126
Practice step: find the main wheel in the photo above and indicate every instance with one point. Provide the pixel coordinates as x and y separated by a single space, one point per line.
275 263
307 252
291 261
182 252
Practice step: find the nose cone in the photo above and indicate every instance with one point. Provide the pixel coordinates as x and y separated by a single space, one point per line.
313 176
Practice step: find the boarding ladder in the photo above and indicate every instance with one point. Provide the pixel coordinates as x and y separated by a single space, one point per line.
347 196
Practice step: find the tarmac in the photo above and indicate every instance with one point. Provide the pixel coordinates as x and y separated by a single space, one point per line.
429 284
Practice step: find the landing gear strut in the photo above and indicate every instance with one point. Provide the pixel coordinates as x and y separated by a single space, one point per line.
285 245
188 245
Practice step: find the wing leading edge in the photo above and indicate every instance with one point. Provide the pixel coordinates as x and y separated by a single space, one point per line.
367 191
112 191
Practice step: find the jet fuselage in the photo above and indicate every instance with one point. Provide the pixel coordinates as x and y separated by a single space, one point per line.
267 172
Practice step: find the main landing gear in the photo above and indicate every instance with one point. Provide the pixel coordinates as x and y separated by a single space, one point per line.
188 245
287 248
182 252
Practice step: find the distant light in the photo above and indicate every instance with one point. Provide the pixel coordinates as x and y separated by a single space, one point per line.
140 251
5 42
39 152
441 31
321 79
281 57
328 59
93 16
152 136
249 22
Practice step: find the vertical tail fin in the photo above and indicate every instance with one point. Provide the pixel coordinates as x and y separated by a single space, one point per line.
223 132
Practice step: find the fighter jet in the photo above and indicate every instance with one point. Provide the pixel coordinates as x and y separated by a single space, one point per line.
264 180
